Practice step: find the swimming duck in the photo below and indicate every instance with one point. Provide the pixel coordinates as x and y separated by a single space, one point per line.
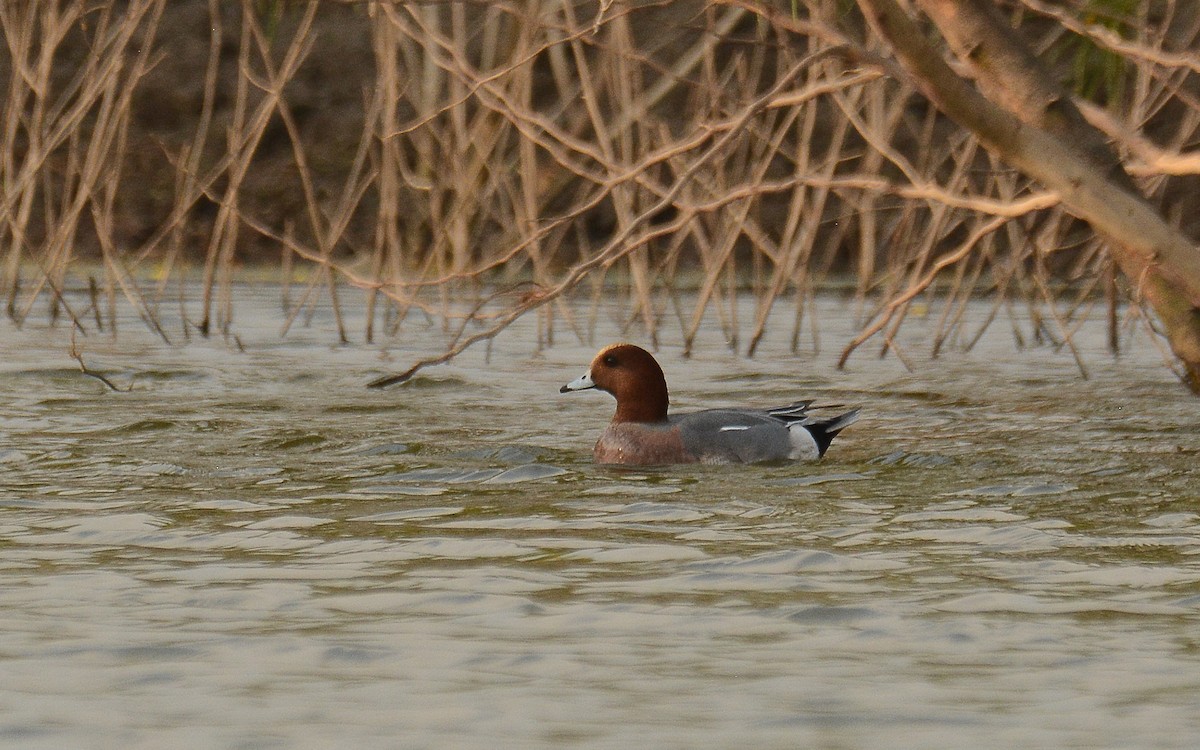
641 431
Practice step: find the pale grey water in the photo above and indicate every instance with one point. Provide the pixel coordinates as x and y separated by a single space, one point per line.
252 550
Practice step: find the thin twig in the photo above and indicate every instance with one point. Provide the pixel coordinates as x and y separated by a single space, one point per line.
78 357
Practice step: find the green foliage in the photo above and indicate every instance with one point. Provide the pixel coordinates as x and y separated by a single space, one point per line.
1098 74
270 12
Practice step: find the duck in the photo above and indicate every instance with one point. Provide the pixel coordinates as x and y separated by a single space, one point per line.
643 433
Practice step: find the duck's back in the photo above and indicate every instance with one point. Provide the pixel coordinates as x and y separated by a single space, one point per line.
743 436
752 435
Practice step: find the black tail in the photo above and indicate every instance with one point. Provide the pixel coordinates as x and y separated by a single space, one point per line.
825 430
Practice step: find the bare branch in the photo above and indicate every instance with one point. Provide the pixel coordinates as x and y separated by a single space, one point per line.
78 357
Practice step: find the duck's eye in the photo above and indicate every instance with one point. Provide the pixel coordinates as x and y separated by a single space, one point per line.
610 361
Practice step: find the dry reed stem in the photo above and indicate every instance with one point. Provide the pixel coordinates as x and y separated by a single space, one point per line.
77 355
765 153
616 247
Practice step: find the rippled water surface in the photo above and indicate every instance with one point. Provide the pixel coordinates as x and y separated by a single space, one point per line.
251 550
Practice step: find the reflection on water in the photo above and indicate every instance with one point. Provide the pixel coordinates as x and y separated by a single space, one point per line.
252 550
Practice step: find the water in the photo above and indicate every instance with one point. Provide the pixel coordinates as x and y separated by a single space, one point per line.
251 550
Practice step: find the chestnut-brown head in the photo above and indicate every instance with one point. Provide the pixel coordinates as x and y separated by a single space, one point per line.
630 374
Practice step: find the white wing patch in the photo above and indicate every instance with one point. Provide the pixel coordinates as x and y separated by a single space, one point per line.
734 427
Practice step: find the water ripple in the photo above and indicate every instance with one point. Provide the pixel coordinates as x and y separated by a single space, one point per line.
253 550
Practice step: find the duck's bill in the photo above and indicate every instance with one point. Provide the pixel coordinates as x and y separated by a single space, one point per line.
581 383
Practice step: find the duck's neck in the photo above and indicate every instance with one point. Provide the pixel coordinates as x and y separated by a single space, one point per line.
650 405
